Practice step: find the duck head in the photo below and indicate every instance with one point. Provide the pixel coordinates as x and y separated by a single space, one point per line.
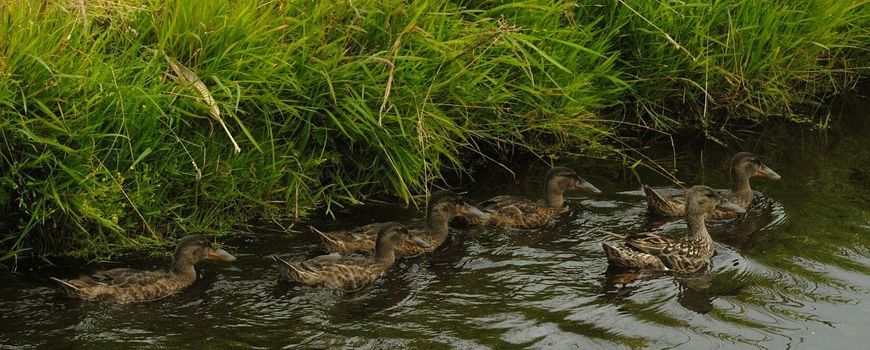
745 165
445 204
391 236
195 248
563 179
702 200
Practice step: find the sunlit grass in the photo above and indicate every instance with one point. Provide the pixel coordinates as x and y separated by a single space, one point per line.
104 145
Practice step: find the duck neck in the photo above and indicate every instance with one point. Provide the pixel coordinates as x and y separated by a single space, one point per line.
740 183
183 267
698 229
384 253
438 224
741 193
554 195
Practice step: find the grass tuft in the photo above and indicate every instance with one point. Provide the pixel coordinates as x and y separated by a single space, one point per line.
126 123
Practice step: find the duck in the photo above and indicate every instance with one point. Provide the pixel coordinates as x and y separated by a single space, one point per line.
689 253
337 271
126 285
509 212
443 206
744 165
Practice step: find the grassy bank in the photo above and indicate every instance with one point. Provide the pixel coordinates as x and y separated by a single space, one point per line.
111 126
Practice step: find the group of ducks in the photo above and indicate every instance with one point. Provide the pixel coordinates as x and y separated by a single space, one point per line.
361 255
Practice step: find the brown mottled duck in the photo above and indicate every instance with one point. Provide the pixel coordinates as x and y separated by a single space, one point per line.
443 206
744 165
688 253
125 285
336 271
513 212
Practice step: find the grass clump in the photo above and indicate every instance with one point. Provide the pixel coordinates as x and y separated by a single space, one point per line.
276 108
328 102
706 62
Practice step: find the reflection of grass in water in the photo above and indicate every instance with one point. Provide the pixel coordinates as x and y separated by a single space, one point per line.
824 194
596 332
825 201
584 328
825 206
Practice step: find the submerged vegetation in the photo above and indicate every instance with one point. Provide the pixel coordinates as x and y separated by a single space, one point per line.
127 122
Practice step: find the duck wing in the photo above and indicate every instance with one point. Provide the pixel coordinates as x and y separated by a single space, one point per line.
667 203
622 255
316 264
498 203
358 239
512 207
332 271
127 276
360 233
651 243
351 273
515 212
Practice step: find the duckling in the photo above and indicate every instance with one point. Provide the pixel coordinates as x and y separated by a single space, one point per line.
348 272
125 285
744 165
514 212
688 253
443 206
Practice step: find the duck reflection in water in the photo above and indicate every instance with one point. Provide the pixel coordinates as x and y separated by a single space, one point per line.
695 291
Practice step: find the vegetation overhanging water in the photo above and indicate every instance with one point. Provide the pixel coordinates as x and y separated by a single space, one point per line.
120 119
791 274
120 122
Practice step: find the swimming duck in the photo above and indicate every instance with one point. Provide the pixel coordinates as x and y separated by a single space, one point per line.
687 253
348 272
125 285
443 206
514 212
744 165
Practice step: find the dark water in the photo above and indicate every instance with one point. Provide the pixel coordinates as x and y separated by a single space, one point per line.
793 274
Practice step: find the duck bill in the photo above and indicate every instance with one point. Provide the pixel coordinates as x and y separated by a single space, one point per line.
731 206
420 241
586 186
767 172
473 211
219 254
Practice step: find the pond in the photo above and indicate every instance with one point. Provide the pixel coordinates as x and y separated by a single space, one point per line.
791 274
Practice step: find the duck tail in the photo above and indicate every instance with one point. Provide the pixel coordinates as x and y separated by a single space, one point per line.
660 205
281 262
617 255
652 196
626 257
609 251
616 235
288 270
66 286
323 236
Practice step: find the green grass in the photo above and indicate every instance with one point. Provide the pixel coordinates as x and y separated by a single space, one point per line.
102 148
750 59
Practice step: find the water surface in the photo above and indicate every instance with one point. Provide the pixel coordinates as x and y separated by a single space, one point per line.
792 274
